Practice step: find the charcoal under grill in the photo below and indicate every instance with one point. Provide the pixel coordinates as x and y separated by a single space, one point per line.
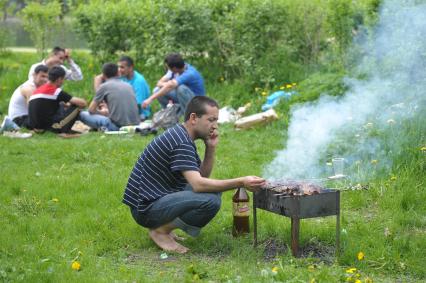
298 200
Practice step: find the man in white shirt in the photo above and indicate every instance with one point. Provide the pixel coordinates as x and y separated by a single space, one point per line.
18 105
57 57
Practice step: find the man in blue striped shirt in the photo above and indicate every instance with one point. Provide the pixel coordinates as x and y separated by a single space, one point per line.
169 187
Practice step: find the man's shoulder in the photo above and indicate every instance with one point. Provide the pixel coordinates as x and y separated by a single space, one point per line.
139 78
191 70
47 88
114 83
37 64
27 88
179 135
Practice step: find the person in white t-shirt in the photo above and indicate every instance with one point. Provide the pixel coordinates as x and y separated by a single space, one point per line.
18 105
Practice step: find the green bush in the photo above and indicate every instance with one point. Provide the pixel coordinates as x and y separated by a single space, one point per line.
263 41
106 29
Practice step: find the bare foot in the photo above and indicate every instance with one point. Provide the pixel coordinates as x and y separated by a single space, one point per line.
166 242
176 237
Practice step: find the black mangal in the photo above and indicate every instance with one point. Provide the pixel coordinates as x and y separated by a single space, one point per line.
298 200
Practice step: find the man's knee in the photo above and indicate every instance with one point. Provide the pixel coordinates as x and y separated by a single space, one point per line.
183 90
213 201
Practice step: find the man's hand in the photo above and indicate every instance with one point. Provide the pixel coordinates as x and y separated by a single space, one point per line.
68 54
97 81
213 139
253 183
146 103
103 109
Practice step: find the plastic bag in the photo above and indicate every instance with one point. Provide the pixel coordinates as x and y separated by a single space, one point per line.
166 117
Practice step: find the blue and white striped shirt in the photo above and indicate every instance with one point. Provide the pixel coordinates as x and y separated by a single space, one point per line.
158 171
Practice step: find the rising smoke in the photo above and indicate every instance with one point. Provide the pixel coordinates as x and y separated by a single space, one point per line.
394 61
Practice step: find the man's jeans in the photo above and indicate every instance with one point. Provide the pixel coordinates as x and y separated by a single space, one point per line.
186 209
181 95
97 121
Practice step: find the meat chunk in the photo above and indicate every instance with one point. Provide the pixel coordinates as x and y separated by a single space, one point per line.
293 187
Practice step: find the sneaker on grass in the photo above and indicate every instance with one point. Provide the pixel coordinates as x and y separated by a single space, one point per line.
8 125
17 135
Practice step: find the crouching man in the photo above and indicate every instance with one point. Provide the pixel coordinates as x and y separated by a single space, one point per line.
169 187
51 108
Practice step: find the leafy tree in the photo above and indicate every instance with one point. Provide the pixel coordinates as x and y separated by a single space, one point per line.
341 23
41 22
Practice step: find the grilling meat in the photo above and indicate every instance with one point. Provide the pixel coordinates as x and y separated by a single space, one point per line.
293 188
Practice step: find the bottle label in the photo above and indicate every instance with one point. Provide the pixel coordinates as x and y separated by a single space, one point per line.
241 209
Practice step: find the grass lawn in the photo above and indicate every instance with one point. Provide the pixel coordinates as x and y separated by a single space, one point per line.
60 201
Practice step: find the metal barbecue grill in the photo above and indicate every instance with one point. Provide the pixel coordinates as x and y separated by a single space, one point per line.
297 200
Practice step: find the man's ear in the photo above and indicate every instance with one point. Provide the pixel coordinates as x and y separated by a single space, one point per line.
192 117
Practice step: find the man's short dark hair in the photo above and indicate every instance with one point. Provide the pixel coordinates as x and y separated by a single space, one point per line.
55 73
127 59
174 60
198 104
110 70
41 68
57 49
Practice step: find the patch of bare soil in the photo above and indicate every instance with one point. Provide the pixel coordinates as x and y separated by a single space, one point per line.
321 251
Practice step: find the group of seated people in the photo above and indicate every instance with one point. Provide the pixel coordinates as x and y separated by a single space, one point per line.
122 95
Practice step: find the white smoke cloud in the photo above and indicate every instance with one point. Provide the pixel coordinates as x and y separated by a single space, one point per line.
395 64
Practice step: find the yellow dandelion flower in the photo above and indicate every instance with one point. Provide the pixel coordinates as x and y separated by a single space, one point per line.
393 178
351 270
360 256
264 93
288 86
374 161
423 148
368 280
55 199
358 281
311 268
76 266
282 87
275 270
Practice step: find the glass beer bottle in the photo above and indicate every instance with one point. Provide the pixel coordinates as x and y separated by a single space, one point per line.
241 212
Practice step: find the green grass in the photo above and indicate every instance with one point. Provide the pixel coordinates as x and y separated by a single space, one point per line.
60 200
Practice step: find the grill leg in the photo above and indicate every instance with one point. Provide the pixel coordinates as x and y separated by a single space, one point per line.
337 224
295 222
254 221
337 235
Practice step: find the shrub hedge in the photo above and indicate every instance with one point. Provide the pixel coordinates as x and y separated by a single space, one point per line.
266 42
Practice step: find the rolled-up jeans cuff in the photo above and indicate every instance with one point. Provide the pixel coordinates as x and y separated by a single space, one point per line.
188 229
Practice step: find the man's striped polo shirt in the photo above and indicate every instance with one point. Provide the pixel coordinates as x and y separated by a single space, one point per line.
158 171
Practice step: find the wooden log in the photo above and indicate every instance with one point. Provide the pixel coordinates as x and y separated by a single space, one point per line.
255 119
